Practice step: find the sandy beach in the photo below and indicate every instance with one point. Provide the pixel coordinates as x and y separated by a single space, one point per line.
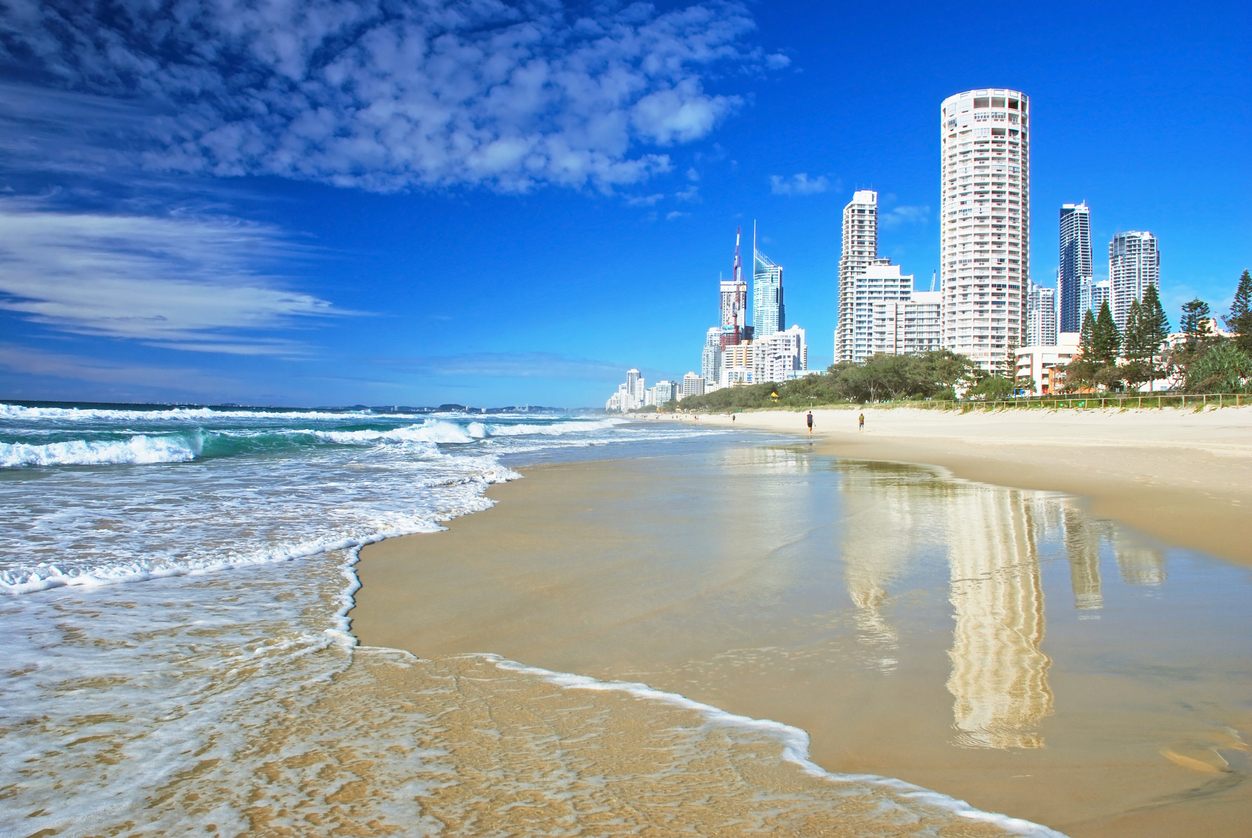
809 590
1181 475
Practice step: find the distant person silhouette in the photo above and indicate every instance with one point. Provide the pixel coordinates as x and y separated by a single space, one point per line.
861 427
809 419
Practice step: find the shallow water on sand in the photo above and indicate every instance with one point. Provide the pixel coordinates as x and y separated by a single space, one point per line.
1001 646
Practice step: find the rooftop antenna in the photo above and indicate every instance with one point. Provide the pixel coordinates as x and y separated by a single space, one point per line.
933 277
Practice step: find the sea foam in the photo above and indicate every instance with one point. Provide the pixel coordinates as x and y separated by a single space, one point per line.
140 449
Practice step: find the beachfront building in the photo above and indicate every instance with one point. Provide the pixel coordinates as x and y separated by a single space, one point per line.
692 385
738 364
1134 264
768 312
711 356
1041 325
781 356
1075 272
880 282
630 394
666 391
860 250
908 326
984 237
1040 369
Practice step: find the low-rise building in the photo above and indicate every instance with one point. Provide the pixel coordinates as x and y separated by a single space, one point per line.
1040 369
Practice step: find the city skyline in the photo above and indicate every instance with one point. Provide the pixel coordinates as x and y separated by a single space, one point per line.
153 251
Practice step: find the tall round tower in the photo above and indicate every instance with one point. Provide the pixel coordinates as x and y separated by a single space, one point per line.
984 247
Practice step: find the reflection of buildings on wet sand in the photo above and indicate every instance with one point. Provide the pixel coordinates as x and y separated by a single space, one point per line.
883 521
1082 544
1138 563
999 675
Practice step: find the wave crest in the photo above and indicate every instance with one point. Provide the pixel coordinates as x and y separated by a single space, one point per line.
138 449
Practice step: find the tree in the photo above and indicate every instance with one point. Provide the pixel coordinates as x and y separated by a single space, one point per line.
1155 329
1107 340
994 386
1222 368
1080 373
1239 320
1086 337
1136 348
1196 323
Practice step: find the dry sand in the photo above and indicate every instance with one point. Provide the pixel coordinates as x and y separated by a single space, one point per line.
1181 475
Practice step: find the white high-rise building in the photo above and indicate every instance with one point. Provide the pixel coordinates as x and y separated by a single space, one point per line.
1093 295
1041 322
1134 264
984 244
711 356
860 250
781 356
692 385
907 327
768 312
879 282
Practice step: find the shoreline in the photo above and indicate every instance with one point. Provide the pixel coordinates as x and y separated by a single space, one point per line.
1181 476
551 577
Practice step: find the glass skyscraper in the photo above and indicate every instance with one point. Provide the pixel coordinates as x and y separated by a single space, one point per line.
1075 270
768 312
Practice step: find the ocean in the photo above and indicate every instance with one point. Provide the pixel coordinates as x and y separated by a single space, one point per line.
179 657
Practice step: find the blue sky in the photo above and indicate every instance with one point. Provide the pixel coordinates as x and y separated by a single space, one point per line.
419 202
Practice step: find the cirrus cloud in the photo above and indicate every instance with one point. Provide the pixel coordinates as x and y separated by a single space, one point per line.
386 95
187 283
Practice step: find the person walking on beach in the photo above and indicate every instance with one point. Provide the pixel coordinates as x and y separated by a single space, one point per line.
861 427
809 419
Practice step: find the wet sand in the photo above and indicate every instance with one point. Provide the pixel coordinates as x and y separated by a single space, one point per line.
1183 476
778 585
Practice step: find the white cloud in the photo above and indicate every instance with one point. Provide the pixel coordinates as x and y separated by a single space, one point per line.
24 360
693 175
900 216
179 282
691 193
798 184
644 200
675 214
385 95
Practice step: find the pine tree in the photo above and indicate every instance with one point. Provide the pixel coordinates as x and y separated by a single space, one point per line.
1133 343
1154 331
1195 323
1108 341
1086 337
1239 320
1155 321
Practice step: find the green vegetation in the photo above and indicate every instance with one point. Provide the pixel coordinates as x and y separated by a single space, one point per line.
1239 320
934 375
1203 362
